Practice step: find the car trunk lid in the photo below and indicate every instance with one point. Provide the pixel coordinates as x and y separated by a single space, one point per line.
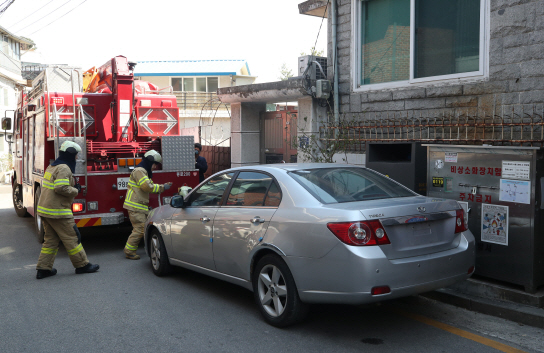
416 226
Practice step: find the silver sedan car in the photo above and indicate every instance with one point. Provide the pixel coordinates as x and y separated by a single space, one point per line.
297 234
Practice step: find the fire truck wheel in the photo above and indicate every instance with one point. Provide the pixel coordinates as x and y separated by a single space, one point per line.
40 232
159 259
18 201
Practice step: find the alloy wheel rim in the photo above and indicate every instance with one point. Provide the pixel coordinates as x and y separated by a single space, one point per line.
155 252
272 290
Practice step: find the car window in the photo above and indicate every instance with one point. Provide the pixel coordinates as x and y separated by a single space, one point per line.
273 197
249 189
333 185
211 193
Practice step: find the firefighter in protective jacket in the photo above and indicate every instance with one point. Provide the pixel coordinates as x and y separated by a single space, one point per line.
55 209
140 186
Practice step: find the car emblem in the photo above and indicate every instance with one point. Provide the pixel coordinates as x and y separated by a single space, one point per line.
421 209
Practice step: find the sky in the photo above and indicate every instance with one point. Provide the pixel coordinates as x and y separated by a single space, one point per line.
87 33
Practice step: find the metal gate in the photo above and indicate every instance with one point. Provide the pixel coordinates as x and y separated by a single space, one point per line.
280 130
217 157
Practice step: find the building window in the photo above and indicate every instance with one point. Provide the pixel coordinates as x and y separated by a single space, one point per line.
195 84
411 41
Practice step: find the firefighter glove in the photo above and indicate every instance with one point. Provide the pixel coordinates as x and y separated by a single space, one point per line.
167 186
78 187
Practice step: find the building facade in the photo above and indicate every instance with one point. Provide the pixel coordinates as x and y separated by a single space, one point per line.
11 82
408 62
195 84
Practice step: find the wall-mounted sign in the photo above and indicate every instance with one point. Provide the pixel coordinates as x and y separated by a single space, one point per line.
450 157
516 170
438 182
494 224
518 191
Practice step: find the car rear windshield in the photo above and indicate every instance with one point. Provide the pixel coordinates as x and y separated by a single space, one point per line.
335 185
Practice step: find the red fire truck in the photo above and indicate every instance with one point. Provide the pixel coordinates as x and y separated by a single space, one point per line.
115 119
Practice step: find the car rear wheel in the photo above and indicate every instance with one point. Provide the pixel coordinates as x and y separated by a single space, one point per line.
159 259
17 194
40 231
276 294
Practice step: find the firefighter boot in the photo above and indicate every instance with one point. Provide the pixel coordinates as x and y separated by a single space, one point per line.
132 256
88 268
46 273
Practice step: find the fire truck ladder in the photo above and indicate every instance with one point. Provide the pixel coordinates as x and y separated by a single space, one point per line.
78 119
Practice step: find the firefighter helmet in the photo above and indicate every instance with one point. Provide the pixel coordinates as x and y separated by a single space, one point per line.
71 147
153 156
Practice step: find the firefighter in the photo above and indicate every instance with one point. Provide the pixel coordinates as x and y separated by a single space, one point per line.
140 186
55 209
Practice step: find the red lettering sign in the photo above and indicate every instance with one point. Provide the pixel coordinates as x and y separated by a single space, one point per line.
459 170
488 198
490 171
467 170
462 196
482 170
474 170
470 197
453 169
498 171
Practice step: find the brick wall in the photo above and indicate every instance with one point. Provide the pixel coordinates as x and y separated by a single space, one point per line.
516 70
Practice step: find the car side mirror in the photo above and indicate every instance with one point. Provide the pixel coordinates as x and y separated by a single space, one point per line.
6 123
177 201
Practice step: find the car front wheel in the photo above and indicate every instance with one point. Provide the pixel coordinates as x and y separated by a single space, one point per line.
159 259
276 294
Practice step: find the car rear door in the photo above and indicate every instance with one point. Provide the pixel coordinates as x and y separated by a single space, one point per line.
241 223
191 227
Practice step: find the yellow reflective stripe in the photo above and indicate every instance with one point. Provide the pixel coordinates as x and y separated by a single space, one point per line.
75 250
47 175
55 212
62 182
130 247
143 180
50 251
130 203
156 188
48 185
133 184
136 205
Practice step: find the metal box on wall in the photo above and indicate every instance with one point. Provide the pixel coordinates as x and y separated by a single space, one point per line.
501 186
404 162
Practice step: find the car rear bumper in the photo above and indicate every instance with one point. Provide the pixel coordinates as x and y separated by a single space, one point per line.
347 274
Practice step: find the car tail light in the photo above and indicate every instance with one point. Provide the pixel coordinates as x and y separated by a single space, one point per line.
77 207
380 290
360 233
461 222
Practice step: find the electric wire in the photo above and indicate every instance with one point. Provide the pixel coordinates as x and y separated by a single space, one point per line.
41 18
24 18
84 1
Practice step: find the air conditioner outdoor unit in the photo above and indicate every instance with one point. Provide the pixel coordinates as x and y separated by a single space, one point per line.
318 67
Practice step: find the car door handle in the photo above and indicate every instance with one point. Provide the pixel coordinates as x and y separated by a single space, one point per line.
257 219
204 219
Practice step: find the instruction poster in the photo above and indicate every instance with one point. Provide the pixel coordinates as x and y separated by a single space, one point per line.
495 224
518 191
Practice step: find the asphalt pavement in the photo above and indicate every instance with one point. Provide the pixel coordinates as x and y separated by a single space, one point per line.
125 308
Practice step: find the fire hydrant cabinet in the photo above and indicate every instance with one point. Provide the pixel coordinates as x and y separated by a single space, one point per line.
502 189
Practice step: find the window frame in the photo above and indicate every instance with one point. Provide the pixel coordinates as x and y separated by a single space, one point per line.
229 188
194 82
357 54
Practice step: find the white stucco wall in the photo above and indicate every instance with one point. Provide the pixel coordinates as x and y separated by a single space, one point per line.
161 81
224 81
